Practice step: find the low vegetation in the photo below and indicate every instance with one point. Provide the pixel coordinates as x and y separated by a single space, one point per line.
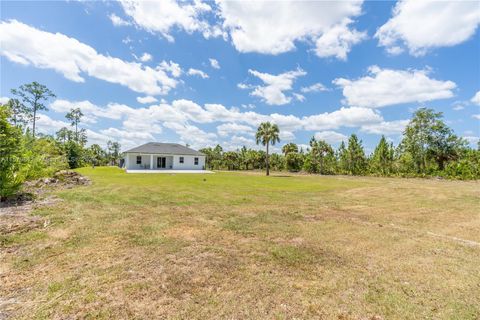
242 245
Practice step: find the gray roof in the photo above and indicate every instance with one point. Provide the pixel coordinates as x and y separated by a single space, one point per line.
164 148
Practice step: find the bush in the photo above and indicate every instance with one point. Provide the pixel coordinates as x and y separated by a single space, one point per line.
466 168
11 178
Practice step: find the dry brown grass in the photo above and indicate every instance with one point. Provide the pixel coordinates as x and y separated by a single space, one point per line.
247 246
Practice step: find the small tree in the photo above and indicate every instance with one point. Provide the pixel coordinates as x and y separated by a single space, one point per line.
75 115
63 135
33 95
113 152
19 113
231 160
267 134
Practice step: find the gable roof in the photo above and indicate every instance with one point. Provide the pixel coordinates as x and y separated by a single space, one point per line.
164 148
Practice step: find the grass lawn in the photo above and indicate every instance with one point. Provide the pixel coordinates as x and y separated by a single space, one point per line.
242 245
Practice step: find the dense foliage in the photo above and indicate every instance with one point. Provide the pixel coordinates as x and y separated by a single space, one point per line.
428 148
26 155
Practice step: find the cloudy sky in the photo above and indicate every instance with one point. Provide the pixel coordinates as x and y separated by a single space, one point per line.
209 72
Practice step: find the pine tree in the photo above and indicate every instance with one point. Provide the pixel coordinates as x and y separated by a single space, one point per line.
382 158
356 162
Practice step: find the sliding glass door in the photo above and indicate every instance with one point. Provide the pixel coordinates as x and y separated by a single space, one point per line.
161 162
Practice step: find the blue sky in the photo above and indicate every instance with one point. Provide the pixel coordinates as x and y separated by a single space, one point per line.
209 72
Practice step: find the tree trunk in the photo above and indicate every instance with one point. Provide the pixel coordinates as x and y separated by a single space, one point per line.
34 118
268 164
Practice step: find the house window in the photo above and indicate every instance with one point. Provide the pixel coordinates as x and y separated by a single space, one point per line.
181 159
196 161
139 159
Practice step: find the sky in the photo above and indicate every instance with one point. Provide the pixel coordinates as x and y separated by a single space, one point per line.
202 73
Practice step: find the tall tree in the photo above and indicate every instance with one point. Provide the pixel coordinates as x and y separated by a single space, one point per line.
267 134
428 139
382 158
75 115
322 157
33 95
356 162
342 157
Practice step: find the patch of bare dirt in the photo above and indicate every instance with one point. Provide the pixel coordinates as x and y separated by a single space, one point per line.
15 212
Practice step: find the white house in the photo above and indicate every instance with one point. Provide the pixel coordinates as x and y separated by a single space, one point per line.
163 157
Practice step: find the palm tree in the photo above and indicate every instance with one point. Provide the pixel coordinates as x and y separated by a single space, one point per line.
289 148
267 134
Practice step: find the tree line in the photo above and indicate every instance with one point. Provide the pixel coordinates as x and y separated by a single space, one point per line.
428 148
26 155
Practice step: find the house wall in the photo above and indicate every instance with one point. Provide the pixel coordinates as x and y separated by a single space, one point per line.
131 162
172 162
188 163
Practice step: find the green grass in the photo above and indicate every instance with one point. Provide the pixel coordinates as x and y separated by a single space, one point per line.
242 245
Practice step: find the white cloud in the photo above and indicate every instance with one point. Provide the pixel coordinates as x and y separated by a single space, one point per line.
384 87
423 25
274 27
146 57
90 111
131 135
459 105
385 127
117 21
347 117
228 129
476 98
331 137
214 63
162 16
286 135
473 140
242 141
45 124
316 87
338 41
192 135
173 68
248 106
476 116
30 46
147 99
275 85
4 100
299 97
196 72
